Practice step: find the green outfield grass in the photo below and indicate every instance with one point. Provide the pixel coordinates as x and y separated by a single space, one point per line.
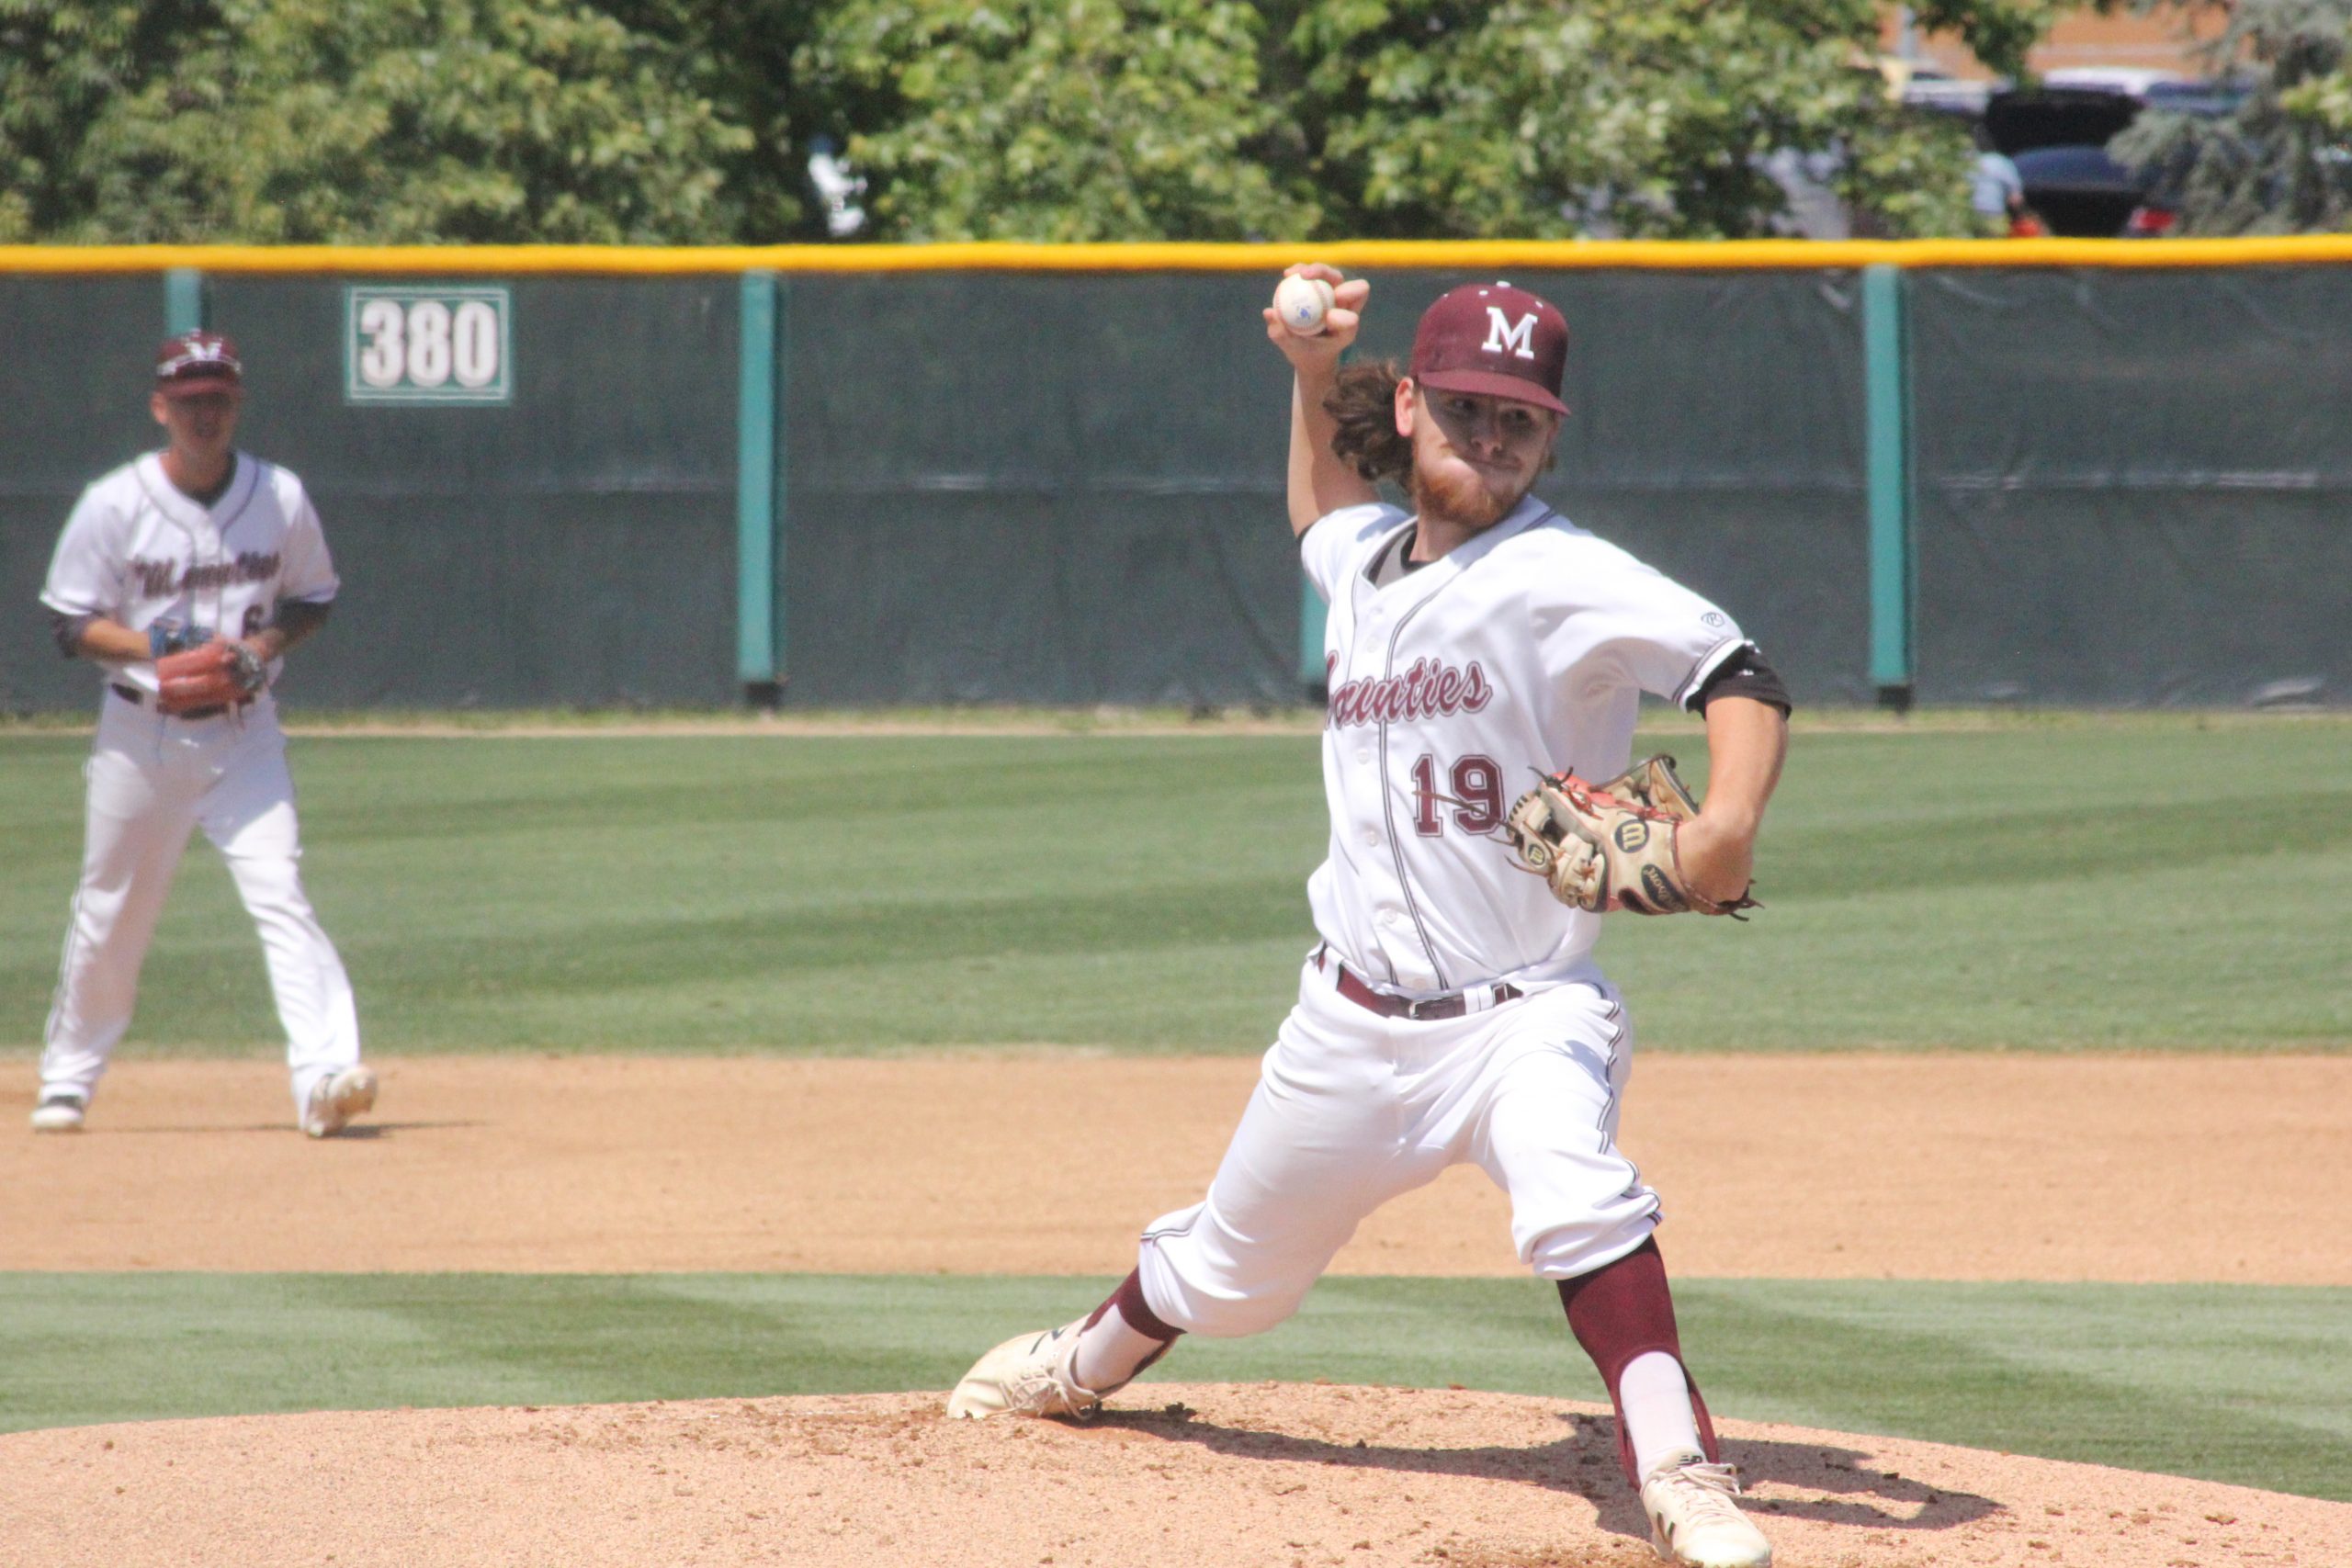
2251 1385
2036 883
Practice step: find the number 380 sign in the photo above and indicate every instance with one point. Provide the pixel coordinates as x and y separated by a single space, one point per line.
428 345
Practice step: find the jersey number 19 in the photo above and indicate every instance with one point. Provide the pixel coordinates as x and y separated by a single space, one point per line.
1477 799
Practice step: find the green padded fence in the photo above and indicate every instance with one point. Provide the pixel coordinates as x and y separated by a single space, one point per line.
1959 473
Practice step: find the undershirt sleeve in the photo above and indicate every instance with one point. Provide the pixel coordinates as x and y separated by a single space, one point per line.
68 629
1744 674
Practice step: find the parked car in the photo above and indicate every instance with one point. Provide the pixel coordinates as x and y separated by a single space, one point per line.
2057 134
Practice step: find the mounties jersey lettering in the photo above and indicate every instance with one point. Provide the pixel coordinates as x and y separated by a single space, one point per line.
1505 337
162 579
1431 688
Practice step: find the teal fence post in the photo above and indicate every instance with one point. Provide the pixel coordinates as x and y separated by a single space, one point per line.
1887 455
779 490
758 640
1311 612
183 301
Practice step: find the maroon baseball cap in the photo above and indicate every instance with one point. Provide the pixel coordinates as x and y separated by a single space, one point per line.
1494 339
195 363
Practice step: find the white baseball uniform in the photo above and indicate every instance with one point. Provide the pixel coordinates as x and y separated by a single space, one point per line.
1522 651
138 551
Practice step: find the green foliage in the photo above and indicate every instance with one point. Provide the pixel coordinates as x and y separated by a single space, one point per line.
292 120
1999 33
1419 119
1057 119
691 120
63 65
737 54
2283 162
1641 118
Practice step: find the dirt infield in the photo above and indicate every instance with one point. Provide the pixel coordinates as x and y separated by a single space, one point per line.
1841 1167
1249 1475
2122 1168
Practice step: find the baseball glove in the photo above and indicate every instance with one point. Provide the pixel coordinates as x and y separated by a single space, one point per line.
217 675
1612 846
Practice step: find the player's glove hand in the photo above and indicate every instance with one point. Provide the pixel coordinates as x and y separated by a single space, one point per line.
1612 846
219 674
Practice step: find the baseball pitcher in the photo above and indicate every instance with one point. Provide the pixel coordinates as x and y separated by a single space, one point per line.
1486 661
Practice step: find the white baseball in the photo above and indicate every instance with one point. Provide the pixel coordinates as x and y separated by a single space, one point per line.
1301 302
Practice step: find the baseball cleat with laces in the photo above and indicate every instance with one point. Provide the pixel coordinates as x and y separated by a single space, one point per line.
1029 1375
337 1099
1693 1520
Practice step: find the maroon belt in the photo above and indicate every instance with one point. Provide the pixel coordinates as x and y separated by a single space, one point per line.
1386 1006
132 694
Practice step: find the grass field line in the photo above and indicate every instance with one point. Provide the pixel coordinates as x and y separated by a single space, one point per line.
2247 1385
537 724
258 1048
2051 880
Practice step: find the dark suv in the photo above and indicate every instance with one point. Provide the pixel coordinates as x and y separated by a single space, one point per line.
2057 135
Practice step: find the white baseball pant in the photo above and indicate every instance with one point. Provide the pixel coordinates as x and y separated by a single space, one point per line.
152 780
1352 1108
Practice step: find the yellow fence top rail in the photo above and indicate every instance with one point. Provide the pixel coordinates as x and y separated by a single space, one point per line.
1353 255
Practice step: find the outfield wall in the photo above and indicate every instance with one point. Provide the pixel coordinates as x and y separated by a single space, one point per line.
2132 487
2113 474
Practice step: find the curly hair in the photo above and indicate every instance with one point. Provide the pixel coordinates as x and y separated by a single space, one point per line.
1364 403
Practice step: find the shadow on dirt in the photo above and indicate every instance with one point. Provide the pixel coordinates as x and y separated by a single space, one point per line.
358 1132
1840 1486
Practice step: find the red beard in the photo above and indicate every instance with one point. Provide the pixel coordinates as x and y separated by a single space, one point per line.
1461 498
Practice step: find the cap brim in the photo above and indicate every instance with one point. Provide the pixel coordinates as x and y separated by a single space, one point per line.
202 385
1491 384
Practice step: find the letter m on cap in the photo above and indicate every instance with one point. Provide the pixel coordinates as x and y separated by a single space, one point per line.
1518 337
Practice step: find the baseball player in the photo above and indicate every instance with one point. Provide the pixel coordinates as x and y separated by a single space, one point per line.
1453 1009
186 576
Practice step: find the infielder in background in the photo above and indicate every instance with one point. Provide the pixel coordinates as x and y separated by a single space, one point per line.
186 576
1453 1010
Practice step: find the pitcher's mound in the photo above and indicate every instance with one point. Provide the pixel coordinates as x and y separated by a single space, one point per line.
1178 1474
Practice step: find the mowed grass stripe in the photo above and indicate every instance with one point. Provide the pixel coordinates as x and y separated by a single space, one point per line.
2251 1385
2053 884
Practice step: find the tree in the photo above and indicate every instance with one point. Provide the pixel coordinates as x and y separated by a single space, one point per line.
2281 161
1641 118
290 121
738 54
691 120
1056 119
63 65
1428 119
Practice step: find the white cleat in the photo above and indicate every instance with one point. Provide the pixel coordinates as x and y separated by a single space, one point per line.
1030 1375
337 1099
58 1113
1693 1520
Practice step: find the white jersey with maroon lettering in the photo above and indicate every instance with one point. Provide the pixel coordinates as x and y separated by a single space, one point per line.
138 552
1524 650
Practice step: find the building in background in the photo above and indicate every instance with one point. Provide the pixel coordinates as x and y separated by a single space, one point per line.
2164 42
